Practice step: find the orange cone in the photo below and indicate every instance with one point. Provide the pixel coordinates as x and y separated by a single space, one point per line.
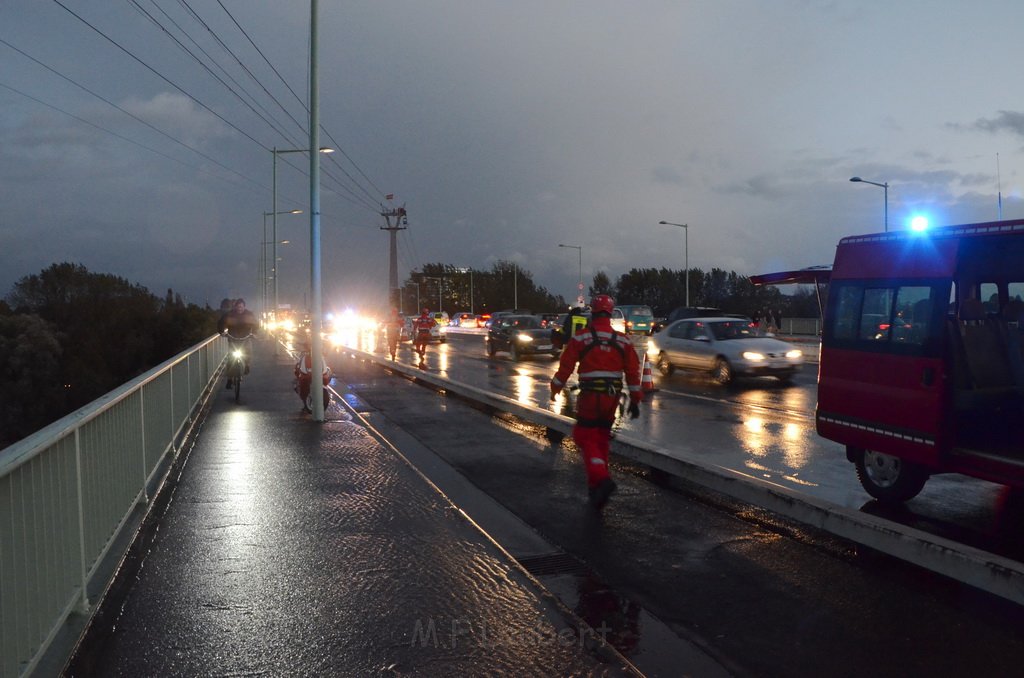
647 380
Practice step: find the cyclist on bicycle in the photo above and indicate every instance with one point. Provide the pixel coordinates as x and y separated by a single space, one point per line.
239 326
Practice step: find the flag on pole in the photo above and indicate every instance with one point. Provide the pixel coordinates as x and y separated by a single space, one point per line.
389 196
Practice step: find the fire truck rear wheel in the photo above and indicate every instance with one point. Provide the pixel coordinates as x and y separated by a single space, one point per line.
887 478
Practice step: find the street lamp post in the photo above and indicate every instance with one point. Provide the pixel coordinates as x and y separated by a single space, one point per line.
266 242
858 180
440 283
470 272
273 212
686 253
579 290
266 278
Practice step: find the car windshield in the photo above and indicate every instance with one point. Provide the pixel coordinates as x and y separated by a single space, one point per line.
529 323
642 312
725 331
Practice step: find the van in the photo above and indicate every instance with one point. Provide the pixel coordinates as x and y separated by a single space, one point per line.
922 355
635 318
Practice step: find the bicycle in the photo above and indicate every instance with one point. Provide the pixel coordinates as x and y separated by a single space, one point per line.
236 365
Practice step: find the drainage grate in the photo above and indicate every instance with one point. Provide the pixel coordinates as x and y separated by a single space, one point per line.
554 563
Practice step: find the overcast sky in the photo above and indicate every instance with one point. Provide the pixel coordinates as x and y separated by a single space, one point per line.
505 128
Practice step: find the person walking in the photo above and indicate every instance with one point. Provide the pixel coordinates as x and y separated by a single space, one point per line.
421 328
393 328
603 357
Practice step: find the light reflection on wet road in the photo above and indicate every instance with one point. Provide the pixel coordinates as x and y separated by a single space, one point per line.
759 427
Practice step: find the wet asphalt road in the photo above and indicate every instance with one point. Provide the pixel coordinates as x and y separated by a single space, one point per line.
290 548
758 427
761 597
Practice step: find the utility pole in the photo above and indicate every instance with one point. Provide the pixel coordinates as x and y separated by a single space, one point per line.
401 223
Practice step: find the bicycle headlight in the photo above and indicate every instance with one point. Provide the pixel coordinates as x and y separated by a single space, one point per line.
237 355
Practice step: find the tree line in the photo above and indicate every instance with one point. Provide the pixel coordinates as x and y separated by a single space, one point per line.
68 336
507 285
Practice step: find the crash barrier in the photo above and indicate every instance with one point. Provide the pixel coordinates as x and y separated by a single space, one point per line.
801 326
986 571
69 490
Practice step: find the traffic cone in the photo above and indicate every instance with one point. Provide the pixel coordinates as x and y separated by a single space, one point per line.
647 380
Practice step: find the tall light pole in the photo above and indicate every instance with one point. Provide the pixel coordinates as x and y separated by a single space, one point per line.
273 212
317 387
266 278
579 250
440 283
265 243
470 272
858 180
686 253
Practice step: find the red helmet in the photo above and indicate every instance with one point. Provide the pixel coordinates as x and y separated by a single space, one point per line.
425 312
602 303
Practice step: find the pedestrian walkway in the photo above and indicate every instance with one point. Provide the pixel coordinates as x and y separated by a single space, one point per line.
295 548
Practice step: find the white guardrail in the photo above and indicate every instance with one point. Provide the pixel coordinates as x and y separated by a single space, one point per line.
987 571
68 490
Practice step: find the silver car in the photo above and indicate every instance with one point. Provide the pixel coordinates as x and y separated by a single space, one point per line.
725 348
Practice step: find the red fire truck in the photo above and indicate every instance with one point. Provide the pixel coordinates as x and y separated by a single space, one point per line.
922 355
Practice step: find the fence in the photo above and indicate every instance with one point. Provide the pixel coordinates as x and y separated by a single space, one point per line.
68 490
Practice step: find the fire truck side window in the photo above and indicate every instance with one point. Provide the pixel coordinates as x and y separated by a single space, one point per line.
913 314
876 317
881 316
847 312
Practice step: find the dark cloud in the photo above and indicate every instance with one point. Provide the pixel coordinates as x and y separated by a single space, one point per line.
1005 121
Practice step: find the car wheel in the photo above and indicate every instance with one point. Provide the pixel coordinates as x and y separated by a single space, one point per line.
556 354
664 366
887 478
490 349
722 372
514 352
785 377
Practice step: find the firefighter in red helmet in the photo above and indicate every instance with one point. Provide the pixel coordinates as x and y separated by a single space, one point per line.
421 327
604 357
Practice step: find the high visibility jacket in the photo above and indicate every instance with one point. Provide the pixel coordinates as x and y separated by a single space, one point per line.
423 324
603 355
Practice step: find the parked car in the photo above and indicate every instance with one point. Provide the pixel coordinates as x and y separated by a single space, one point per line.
725 348
634 319
520 335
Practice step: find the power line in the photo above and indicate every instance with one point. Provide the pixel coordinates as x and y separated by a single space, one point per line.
115 106
160 75
130 141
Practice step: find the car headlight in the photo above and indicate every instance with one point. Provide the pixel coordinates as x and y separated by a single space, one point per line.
753 356
795 353
525 338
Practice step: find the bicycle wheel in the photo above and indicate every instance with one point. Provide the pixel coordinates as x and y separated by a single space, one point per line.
238 388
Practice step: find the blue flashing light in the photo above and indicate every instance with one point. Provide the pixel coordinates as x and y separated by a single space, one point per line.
919 223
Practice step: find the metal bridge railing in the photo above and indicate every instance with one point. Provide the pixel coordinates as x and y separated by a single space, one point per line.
67 491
